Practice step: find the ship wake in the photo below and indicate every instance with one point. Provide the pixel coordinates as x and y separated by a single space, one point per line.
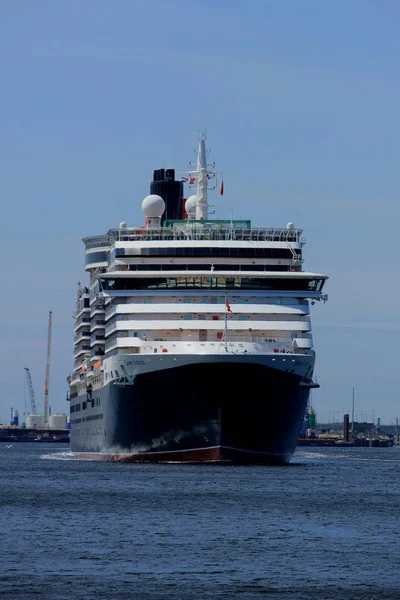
157 444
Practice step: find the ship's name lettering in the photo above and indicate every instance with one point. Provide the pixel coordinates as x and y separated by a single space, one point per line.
134 362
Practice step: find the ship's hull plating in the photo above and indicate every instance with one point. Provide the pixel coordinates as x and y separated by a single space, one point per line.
207 412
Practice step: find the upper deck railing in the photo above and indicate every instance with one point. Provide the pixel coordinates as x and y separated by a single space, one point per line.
195 230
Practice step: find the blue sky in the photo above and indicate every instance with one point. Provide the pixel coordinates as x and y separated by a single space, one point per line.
300 99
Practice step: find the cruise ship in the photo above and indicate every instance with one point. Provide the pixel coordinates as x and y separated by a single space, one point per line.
193 337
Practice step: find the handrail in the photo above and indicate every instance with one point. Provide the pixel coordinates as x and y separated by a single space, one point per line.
187 233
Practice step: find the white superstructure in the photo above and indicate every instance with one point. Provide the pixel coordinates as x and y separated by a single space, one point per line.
175 290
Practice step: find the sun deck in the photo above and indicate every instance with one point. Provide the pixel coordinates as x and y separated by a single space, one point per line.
196 230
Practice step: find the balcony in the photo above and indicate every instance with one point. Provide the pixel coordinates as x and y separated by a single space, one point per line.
81 322
82 335
97 352
97 339
98 325
81 350
97 308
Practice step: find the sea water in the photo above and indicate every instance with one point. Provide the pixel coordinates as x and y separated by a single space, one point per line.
325 527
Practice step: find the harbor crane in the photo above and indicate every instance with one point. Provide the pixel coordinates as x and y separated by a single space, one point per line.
31 392
47 376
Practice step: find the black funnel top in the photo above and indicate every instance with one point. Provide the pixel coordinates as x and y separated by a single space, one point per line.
171 192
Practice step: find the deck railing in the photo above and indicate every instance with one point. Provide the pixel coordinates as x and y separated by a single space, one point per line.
187 232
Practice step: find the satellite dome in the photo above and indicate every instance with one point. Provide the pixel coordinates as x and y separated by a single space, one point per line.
153 206
290 225
122 225
190 206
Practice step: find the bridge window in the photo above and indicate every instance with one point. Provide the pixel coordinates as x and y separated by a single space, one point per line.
251 283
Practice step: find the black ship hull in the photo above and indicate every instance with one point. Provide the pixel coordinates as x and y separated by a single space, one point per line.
207 412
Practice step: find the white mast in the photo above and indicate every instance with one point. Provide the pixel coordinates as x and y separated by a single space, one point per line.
201 204
202 175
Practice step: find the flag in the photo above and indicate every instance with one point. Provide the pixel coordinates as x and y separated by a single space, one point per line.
192 180
183 179
221 191
228 306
